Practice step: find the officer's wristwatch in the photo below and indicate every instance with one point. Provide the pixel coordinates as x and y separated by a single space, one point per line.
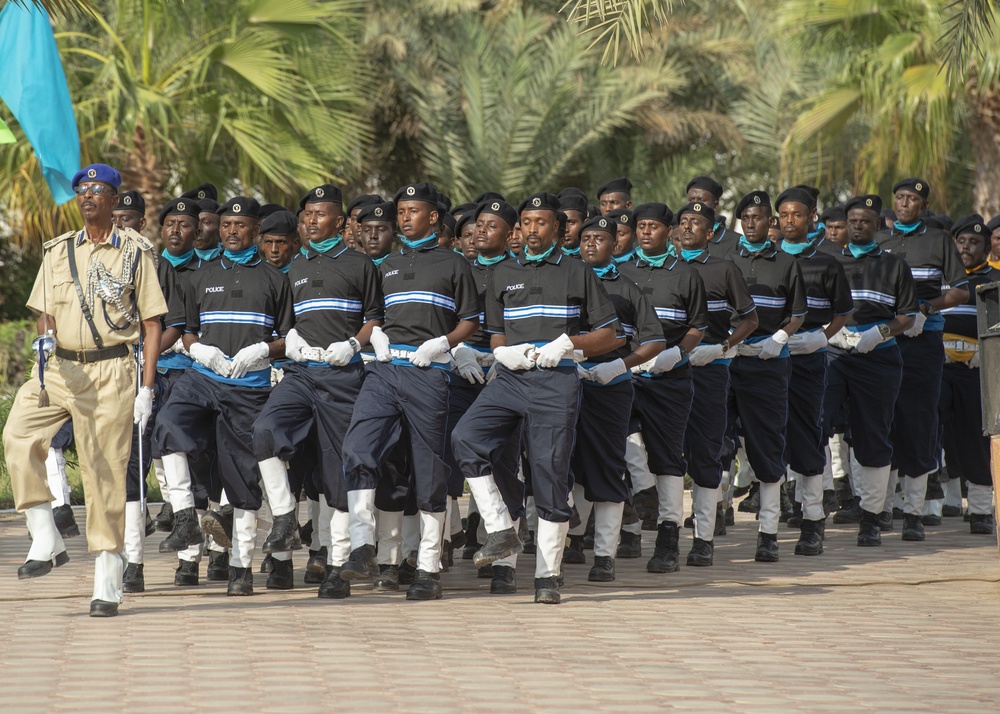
683 350
355 345
884 330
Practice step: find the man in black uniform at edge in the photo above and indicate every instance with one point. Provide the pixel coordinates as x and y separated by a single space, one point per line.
708 191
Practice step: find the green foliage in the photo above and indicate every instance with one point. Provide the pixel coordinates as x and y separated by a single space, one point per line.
16 356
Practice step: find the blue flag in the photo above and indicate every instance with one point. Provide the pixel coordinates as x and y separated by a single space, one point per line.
33 86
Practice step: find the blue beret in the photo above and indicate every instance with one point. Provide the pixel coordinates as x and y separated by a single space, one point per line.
98 172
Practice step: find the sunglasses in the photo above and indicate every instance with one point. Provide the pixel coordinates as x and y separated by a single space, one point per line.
94 189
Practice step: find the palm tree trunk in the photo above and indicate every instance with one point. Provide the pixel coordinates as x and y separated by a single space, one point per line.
985 137
141 171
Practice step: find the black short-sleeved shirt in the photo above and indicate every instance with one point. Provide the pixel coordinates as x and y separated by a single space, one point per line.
726 293
676 293
172 293
537 301
961 319
881 286
638 321
724 240
775 284
932 256
482 274
334 294
234 306
827 293
428 291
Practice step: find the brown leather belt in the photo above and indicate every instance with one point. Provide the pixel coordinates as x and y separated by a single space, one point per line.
86 356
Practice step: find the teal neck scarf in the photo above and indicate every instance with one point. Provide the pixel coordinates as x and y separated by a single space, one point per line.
378 261
177 260
418 244
480 260
241 256
754 247
608 270
210 254
572 252
795 248
625 257
859 250
690 255
907 228
324 246
657 261
541 256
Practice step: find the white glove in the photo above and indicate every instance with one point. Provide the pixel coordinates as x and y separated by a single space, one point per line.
771 347
248 357
211 358
666 360
340 353
294 346
805 343
870 338
606 371
552 353
492 374
516 357
467 364
974 362
918 325
583 373
380 343
704 354
430 351
143 408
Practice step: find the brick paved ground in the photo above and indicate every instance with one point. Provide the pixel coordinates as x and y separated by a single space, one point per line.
908 627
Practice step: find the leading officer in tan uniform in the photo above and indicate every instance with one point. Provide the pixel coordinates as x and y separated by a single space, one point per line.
96 290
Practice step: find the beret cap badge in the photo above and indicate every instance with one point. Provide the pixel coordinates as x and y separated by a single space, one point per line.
320 193
127 201
181 206
536 202
378 211
410 191
495 206
92 173
237 208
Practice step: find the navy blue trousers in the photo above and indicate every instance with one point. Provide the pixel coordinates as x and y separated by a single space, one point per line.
915 425
598 460
759 397
663 405
966 449
706 428
806 440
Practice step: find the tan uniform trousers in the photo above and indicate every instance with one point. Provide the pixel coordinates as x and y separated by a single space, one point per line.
99 397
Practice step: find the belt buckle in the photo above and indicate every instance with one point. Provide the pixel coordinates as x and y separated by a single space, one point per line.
81 356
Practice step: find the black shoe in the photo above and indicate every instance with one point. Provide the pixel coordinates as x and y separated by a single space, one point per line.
218 567
38 568
730 519
165 518
333 586
849 514
186 532
484 572
306 534
498 545
929 519
767 548
361 565
720 519
547 591
316 566
810 542
913 529
281 576
665 553
150 526
821 529
649 524
885 521
387 581
630 545
603 570
529 544
868 530
103 608
65 522
284 536
186 573
829 501
897 514
133 580
573 553
407 572
951 511
471 536
219 525
629 514
240 581
689 521
981 524
751 504
504 582
266 564
426 586
701 554
458 540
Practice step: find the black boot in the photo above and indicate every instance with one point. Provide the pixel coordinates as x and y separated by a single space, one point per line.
284 536
361 565
603 570
281 576
885 521
306 534
665 552
407 572
951 511
186 532
333 586
646 503
133 580
829 501
498 545
843 493
186 573
930 519
266 564
981 524
630 545
821 529
547 591
787 507
65 522
387 581
868 531
767 548
38 568
484 572
730 516
720 519
629 514
165 518
529 544
316 566
504 582
795 518
849 514
426 586
219 525
240 581
573 553
751 504
471 536
701 554
810 542
913 528
218 567
103 608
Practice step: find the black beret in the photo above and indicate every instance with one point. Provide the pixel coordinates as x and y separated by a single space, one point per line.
327 193
563 219
182 206
499 208
833 213
625 217
994 223
811 190
240 206
652 212
464 220
618 185
913 184
795 195
600 223
571 191
700 209
593 210
754 198
378 212
208 205
542 201
488 196
869 201
280 223
463 208
365 199
422 191
131 201
573 201
444 202
269 208
940 221
705 183
446 219
206 190
972 223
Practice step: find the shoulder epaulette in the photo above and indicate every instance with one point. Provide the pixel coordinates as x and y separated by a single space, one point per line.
140 240
57 240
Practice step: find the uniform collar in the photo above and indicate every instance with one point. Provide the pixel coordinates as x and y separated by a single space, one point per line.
313 253
114 240
703 258
916 232
719 234
983 269
433 245
227 264
873 254
766 253
555 258
667 265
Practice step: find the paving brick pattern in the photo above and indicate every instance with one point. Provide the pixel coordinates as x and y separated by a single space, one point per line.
908 627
